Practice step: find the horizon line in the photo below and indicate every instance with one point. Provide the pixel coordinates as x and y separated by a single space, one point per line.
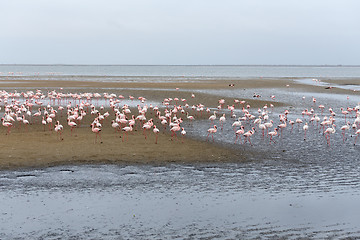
244 65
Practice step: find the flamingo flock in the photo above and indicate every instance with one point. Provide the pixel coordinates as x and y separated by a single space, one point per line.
25 109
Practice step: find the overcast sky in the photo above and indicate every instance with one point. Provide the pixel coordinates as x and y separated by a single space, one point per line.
180 32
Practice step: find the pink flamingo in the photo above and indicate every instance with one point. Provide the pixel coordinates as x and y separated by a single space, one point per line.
212 117
72 125
156 131
115 125
357 133
282 126
58 129
146 126
236 124
248 134
343 129
8 125
212 131
43 122
344 112
174 129
183 133
222 119
328 131
126 130
49 120
272 134
97 131
238 133
26 122
305 127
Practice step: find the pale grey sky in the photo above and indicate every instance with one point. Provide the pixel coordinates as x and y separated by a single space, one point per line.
180 32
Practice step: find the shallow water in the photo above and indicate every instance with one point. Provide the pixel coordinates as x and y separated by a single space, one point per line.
195 71
291 189
266 199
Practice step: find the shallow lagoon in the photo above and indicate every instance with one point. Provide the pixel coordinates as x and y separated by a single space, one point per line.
269 199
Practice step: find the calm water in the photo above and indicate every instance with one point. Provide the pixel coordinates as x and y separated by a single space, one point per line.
182 71
292 189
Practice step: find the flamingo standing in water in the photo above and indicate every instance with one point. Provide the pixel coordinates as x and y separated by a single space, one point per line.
328 132
343 129
248 134
222 119
272 134
305 127
236 124
238 133
357 133
281 126
212 131
212 117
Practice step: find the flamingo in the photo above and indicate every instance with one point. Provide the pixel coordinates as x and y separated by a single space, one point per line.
281 127
115 125
156 131
126 130
344 112
58 129
272 134
211 131
268 125
238 133
8 125
328 131
189 117
174 129
212 117
146 126
222 119
49 120
305 127
343 129
43 122
26 122
357 133
248 134
97 131
183 133
72 125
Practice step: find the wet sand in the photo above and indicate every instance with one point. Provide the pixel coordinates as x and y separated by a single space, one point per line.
39 148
